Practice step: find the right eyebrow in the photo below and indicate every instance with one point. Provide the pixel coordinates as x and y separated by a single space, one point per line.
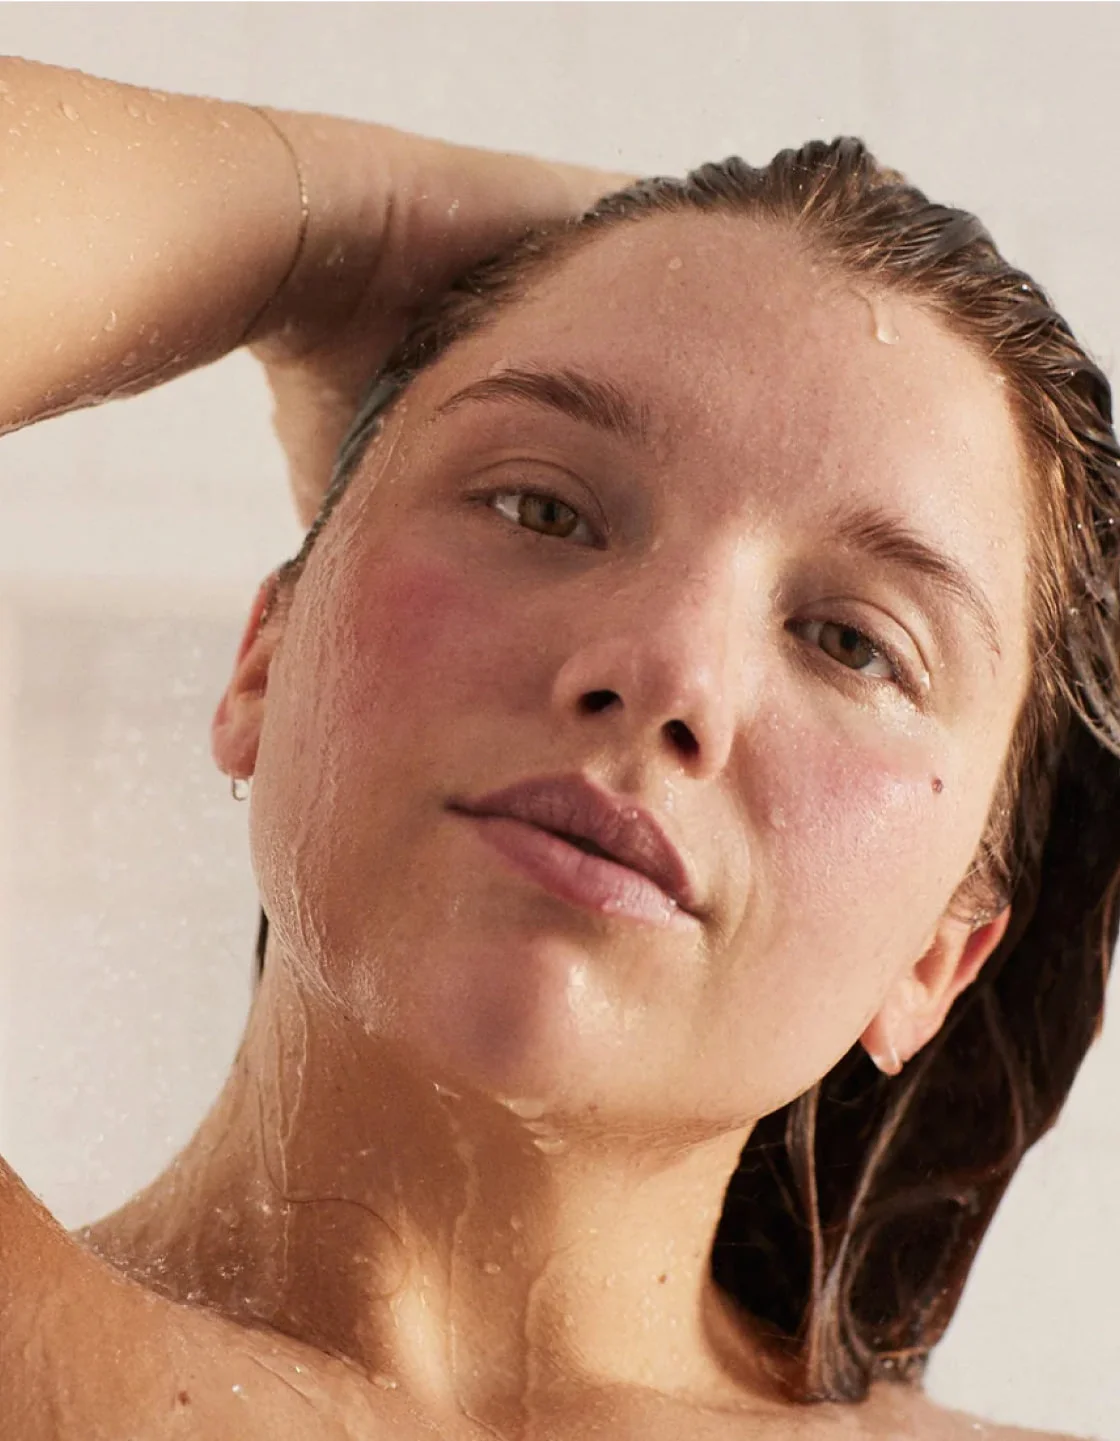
592 400
887 537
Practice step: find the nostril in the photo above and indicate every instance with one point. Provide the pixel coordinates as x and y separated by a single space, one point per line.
598 700
683 737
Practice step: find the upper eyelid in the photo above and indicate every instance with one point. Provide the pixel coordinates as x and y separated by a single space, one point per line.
912 681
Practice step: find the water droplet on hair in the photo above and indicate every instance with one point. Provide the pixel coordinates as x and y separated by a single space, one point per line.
69 111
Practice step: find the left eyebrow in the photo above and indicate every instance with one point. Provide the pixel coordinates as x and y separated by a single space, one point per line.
884 536
592 400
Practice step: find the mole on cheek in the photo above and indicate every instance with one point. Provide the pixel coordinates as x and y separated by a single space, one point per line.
937 785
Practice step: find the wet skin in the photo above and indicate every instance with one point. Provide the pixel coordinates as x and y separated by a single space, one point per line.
818 726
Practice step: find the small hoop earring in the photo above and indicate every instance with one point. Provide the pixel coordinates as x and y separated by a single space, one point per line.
239 788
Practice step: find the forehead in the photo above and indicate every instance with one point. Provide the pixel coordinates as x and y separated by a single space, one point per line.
729 327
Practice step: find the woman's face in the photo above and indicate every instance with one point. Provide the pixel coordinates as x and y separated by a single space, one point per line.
801 465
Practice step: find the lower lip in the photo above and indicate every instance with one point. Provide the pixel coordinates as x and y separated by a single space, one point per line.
573 875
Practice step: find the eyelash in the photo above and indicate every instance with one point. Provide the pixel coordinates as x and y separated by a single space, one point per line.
902 676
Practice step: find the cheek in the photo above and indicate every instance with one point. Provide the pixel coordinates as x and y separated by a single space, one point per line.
865 833
421 638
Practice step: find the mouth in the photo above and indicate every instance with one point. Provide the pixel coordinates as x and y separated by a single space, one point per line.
579 871
581 843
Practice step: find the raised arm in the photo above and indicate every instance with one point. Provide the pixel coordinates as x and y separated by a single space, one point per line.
143 234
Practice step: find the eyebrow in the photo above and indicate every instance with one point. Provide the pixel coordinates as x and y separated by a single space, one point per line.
592 400
879 534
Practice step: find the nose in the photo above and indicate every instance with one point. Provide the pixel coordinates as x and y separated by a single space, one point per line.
662 668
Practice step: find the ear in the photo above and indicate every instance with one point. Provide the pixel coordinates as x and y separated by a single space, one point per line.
915 1007
236 728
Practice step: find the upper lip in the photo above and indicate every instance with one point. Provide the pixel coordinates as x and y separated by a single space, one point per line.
572 806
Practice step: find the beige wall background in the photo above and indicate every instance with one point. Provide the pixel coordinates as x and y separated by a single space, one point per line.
131 540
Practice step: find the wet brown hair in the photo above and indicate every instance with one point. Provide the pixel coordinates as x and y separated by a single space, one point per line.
854 1215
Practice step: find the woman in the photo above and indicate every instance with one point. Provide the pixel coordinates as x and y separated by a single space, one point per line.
665 749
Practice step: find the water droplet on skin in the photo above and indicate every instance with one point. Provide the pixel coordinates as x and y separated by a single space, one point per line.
516 1223
452 209
550 1145
491 1268
134 111
384 1383
237 1390
69 111
446 1091
527 1110
885 329
675 263
111 322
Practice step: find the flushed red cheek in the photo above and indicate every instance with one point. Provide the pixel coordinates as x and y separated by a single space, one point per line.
421 629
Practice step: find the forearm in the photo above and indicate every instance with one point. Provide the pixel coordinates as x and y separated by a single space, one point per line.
143 234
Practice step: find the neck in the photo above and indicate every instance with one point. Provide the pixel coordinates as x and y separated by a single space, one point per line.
474 1251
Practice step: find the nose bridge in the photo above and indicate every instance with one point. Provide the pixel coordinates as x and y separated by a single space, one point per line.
663 655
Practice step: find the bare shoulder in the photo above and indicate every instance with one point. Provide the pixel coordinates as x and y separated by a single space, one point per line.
85 1351
911 1414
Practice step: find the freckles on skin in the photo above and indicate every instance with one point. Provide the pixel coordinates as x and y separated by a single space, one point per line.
855 858
415 618
853 813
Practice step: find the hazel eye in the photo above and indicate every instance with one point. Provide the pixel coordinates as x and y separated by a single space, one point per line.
537 511
851 648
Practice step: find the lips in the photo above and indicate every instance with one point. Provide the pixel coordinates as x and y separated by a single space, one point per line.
578 811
